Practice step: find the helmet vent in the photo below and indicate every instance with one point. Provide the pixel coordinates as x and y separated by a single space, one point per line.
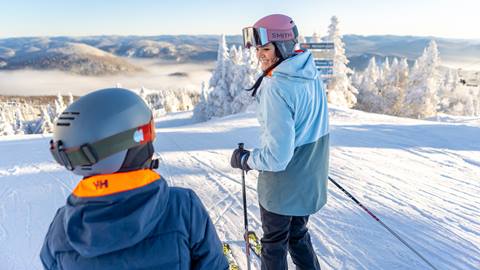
67 116
86 168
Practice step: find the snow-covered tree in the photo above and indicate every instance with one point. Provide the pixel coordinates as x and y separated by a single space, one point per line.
384 70
456 98
59 107
245 75
421 97
394 87
316 38
301 39
219 98
45 123
18 126
200 110
340 89
369 97
6 127
235 71
70 99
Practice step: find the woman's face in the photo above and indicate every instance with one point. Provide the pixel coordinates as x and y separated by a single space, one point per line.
266 56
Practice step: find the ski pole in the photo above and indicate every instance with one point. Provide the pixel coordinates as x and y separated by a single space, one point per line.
245 219
379 221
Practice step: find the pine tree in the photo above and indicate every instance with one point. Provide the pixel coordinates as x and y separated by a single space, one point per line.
59 107
245 75
456 98
200 110
369 98
398 80
340 89
301 39
44 124
235 71
70 98
6 127
316 38
421 98
220 98
385 70
18 126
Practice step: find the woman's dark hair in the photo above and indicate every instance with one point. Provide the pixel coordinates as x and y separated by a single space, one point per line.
265 73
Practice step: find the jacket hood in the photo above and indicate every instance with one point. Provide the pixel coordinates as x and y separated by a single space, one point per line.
300 66
103 224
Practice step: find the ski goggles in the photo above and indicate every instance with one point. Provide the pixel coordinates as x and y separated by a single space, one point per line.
89 154
259 36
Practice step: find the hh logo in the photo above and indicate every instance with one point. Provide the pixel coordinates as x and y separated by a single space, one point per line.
99 184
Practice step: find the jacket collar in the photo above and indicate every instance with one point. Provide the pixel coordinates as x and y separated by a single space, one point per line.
108 184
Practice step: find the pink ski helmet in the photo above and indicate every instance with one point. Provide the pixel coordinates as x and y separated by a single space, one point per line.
277 28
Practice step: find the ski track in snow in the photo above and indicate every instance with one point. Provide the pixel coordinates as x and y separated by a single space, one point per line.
420 178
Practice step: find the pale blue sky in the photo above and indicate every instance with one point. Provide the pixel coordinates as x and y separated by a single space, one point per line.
441 18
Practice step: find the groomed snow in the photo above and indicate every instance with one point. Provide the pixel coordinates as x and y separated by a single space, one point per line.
420 177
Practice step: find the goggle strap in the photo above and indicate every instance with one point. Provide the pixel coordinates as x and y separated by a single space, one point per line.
89 154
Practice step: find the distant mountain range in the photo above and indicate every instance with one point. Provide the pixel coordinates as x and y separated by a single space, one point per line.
104 55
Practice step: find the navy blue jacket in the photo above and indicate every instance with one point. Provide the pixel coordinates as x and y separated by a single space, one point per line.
132 220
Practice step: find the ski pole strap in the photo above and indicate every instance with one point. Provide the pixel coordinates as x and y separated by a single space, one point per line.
89 154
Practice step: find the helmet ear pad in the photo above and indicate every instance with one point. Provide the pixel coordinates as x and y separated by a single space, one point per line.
108 165
284 49
137 157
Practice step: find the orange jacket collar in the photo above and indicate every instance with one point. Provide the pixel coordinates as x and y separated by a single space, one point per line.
270 73
107 184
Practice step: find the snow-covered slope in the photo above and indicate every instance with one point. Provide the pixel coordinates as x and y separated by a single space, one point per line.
421 178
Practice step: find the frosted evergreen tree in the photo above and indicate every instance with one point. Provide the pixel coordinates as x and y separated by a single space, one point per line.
369 98
45 123
384 70
301 39
60 101
18 126
70 98
236 55
219 98
59 107
393 72
171 101
185 101
394 85
200 110
456 98
316 38
340 89
245 76
446 90
6 127
421 98
357 78
234 73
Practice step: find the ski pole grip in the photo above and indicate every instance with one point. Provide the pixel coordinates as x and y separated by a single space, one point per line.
240 146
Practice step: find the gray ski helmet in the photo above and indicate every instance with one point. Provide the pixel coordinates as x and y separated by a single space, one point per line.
93 135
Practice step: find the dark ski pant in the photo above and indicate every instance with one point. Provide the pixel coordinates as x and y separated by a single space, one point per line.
282 233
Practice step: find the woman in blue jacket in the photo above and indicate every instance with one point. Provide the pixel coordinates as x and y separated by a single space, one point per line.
293 158
122 214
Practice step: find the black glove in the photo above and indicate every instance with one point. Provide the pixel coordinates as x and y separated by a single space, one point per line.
239 159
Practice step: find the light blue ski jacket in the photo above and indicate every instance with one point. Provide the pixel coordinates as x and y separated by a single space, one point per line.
293 158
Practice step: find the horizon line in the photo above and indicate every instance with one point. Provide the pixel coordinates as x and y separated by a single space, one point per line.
148 35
